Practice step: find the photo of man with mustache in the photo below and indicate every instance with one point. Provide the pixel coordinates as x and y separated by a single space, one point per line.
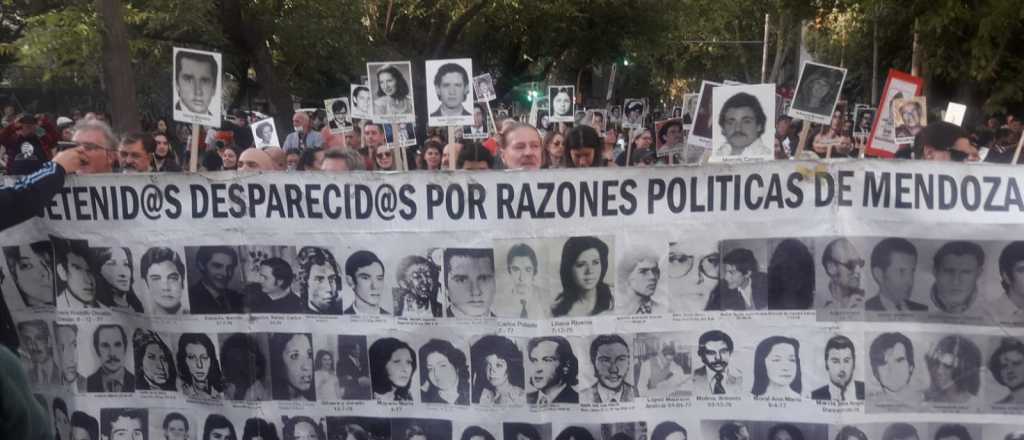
715 349
110 343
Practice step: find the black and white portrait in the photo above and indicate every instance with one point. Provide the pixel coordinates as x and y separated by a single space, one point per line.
639 275
171 424
318 281
787 282
215 281
777 368
417 294
910 116
677 112
703 122
689 108
552 371
1006 363
300 427
163 274
526 431
497 374
197 87
199 367
155 365
469 282
218 427
863 118
362 103
265 133
843 267
482 126
742 282
610 357
954 370
893 368
562 100
37 352
421 429
114 272
597 119
893 264
110 350
76 282
392 368
271 279
291 366
124 423
615 114
663 365
1008 306
30 266
245 366
364 275
449 92
523 279
749 429
584 271
669 430
635 110
445 372
817 92
391 91
483 86
477 432
84 426
744 123
718 373
66 354
359 428
957 268
339 115
840 360
352 367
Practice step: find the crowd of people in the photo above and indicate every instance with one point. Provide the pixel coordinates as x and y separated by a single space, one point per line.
29 140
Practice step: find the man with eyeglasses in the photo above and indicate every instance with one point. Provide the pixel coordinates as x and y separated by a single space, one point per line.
843 264
98 142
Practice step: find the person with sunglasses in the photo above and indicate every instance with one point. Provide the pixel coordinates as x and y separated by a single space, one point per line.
843 264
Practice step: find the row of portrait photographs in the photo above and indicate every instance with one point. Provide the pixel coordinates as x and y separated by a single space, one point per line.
817 92
775 430
888 278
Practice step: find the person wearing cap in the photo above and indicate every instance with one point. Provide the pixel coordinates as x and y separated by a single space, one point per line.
26 149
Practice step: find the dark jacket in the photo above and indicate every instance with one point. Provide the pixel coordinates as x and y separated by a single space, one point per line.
29 195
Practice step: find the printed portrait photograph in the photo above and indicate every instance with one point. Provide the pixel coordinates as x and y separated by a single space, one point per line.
615 114
362 104
774 430
562 101
245 366
391 91
291 366
30 272
449 92
264 132
156 366
469 282
606 362
664 364
339 115
417 288
863 119
526 431
498 376
358 428
105 359
421 429
163 279
301 426
73 270
842 272
586 280
834 368
743 123
173 424
475 429
634 111
817 92
445 375
393 368
596 119
130 423
37 344
899 373
483 87
524 278
642 290
670 430
1006 305
721 363
910 115
552 371
197 87
703 124
482 125
270 279
765 274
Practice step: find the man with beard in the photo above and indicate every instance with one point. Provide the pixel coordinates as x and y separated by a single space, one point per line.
73 269
957 267
164 274
318 282
364 273
893 263
66 336
29 266
554 371
37 353
840 361
742 122
639 269
110 344
211 295
417 288
135 153
274 284
609 354
469 281
715 349
843 263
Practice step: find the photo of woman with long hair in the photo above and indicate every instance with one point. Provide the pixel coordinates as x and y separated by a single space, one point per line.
114 285
154 362
497 371
198 367
291 365
445 373
392 364
583 267
777 368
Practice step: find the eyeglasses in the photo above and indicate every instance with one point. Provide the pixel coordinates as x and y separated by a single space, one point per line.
383 155
89 146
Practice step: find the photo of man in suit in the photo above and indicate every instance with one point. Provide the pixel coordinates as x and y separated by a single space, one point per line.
609 354
553 371
742 286
840 362
111 345
715 349
893 262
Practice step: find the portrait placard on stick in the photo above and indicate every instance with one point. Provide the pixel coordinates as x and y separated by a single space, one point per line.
449 96
635 110
563 103
339 119
817 92
910 115
483 86
955 113
700 132
362 105
265 133
882 141
391 91
197 87
744 117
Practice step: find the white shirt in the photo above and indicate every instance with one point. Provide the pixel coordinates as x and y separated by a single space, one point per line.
755 151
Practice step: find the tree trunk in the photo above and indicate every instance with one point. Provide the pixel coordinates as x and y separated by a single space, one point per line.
917 58
117 67
874 59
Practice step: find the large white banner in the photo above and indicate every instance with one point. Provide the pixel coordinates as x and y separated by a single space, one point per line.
858 300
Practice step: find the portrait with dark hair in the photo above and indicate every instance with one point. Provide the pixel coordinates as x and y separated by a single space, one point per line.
271 291
37 352
703 124
420 429
909 117
718 375
850 432
197 86
291 366
31 268
353 370
1006 363
318 281
553 371
669 431
893 264
84 427
362 107
244 366
635 110
115 278
449 92
610 356
1009 307
525 431
954 367
446 373
952 431
497 374
265 133
302 428
741 284
392 93
957 267
474 432
258 429
583 266
359 428
574 433
175 426
562 103
469 282
744 130
840 363
126 423
198 367
110 344
900 431
61 419
733 431
892 365
76 284
418 287
364 274
154 362
521 279
777 368
817 92
213 292
66 355
392 365
785 431
339 118
163 272
218 427
790 277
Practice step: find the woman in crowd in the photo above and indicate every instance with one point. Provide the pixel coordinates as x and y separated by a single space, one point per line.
392 364
198 367
244 368
292 366
302 428
640 142
430 156
554 150
154 366
165 158
954 366
229 157
497 372
114 285
446 373
384 159
777 368
583 145
583 267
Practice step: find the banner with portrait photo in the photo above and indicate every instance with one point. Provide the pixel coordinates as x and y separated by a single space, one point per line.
197 87
391 91
746 300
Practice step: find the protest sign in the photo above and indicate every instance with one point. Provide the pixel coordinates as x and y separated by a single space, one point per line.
701 132
264 132
362 105
562 101
483 123
955 113
744 130
882 140
817 92
732 298
635 111
483 87
391 91
339 119
909 116
197 87
449 95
